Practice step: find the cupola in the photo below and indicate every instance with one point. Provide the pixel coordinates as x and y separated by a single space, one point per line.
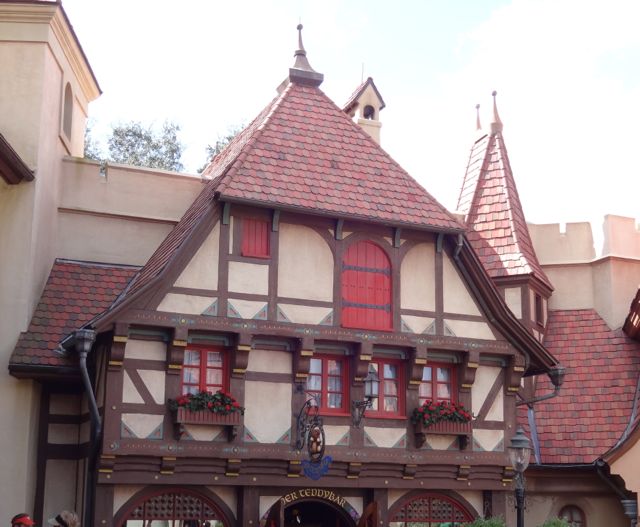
364 108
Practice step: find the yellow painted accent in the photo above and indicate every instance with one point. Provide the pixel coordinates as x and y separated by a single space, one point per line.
356 464
472 364
180 343
239 370
365 357
168 458
518 368
175 366
513 388
357 379
420 361
115 363
231 474
352 477
244 347
294 462
306 353
234 461
302 375
465 466
120 338
292 475
166 472
109 456
408 477
413 381
105 470
462 479
466 385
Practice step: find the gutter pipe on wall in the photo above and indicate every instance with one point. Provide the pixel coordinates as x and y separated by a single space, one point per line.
83 340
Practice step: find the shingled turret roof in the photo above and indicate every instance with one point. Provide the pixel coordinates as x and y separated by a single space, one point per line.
491 206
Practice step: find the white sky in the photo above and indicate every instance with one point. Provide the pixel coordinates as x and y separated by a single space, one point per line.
566 71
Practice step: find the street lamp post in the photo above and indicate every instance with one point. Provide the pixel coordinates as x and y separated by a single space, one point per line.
519 454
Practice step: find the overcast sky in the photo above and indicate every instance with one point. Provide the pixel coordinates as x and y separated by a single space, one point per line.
566 71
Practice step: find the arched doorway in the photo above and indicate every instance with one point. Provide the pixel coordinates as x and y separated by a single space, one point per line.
173 507
429 510
307 508
316 513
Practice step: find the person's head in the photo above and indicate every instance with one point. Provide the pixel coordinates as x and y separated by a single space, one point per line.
22 519
65 519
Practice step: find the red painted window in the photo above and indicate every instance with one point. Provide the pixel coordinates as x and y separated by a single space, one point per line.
203 369
328 382
391 395
438 383
255 238
366 288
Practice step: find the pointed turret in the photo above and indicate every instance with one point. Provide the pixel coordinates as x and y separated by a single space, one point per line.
302 72
498 229
478 125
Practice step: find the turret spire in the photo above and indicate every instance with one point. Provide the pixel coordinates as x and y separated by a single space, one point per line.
496 124
302 72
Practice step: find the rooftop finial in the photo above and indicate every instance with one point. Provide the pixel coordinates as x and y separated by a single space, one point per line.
300 45
302 72
496 125
478 125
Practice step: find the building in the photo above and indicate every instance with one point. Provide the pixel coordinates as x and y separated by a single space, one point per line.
303 262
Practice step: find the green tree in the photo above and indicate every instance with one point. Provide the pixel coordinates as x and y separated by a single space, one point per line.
133 144
555 522
488 522
220 144
92 149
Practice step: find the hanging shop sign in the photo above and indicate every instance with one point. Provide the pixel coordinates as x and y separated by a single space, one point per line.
311 433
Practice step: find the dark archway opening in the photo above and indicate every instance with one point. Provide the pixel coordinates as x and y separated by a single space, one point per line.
316 513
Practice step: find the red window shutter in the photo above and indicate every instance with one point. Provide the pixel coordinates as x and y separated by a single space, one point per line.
255 238
366 288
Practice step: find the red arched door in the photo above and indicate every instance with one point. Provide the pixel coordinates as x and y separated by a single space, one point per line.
366 288
172 508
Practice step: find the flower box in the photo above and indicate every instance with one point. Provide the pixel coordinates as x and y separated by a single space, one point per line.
462 430
183 416
205 417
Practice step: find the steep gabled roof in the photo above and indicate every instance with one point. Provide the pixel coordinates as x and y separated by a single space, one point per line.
74 294
594 409
491 206
308 155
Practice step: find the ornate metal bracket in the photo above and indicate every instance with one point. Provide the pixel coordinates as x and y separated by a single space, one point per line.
310 430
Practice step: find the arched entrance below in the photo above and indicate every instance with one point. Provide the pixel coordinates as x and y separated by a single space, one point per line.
311 508
316 513
173 507
418 509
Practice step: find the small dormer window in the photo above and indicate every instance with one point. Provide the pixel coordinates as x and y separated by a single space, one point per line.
67 111
539 306
369 112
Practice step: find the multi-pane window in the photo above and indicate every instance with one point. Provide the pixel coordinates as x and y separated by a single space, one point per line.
429 510
203 369
255 238
390 401
366 288
327 382
573 515
437 383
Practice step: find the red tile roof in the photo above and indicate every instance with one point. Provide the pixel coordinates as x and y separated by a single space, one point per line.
74 294
493 212
594 406
308 155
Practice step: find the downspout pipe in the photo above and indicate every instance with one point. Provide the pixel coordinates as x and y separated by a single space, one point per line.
83 341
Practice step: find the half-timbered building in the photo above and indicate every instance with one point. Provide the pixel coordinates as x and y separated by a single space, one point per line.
304 269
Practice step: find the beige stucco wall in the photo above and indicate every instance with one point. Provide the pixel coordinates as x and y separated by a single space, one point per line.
305 264
599 511
627 465
418 278
268 409
145 349
202 271
269 361
59 488
249 278
456 296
